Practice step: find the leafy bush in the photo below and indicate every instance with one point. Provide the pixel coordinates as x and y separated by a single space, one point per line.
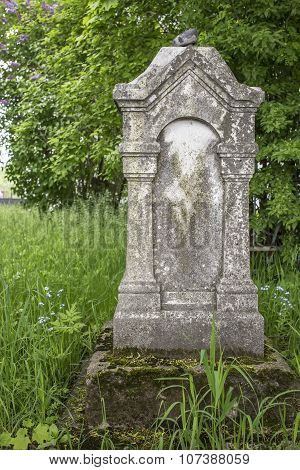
62 62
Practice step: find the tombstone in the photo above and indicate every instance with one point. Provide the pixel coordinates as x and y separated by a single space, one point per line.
188 155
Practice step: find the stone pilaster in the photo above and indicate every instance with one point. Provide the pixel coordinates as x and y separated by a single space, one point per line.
240 324
140 166
138 291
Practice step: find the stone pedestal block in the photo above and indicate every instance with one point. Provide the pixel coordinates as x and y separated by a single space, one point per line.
127 388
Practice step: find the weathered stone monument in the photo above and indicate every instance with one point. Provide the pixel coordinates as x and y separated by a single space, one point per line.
188 155
188 152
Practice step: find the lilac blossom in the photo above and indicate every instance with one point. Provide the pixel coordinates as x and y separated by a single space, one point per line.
49 8
14 64
3 20
3 46
35 76
10 3
11 6
23 37
4 102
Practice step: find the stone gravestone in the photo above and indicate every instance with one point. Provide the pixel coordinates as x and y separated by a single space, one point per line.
188 155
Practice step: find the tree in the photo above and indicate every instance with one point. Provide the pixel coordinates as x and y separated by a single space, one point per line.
259 39
62 122
64 127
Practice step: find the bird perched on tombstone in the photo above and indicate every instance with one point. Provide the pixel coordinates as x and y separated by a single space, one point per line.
187 38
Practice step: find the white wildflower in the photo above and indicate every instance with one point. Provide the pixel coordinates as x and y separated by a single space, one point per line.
41 304
286 302
42 320
265 288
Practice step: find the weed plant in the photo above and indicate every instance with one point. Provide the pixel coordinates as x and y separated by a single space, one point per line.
215 418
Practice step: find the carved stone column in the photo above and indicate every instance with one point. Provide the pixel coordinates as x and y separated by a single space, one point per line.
239 322
138 291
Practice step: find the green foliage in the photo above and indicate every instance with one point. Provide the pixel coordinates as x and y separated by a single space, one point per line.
59 275
67 322
41 436
260 41
214 418
279 303
62 123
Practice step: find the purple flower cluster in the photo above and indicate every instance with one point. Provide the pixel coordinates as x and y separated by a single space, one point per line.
14 64
49 8
4 102
3 46
3 20
23 37
35 76
10 6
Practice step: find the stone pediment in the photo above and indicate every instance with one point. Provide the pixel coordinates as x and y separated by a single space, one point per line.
172 65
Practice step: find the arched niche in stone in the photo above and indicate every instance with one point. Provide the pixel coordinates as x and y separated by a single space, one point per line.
187 214
188 155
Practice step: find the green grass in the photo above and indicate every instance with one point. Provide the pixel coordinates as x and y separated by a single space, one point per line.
279 303
58 283
215 418
59 275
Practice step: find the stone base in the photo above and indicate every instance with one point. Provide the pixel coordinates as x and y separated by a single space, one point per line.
174 333
126 388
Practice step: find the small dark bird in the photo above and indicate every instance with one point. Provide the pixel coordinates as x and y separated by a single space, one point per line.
186 39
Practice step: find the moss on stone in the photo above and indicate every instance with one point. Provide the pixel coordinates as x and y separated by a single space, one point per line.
148 360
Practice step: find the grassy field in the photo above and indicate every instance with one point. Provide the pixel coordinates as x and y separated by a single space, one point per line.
58 283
